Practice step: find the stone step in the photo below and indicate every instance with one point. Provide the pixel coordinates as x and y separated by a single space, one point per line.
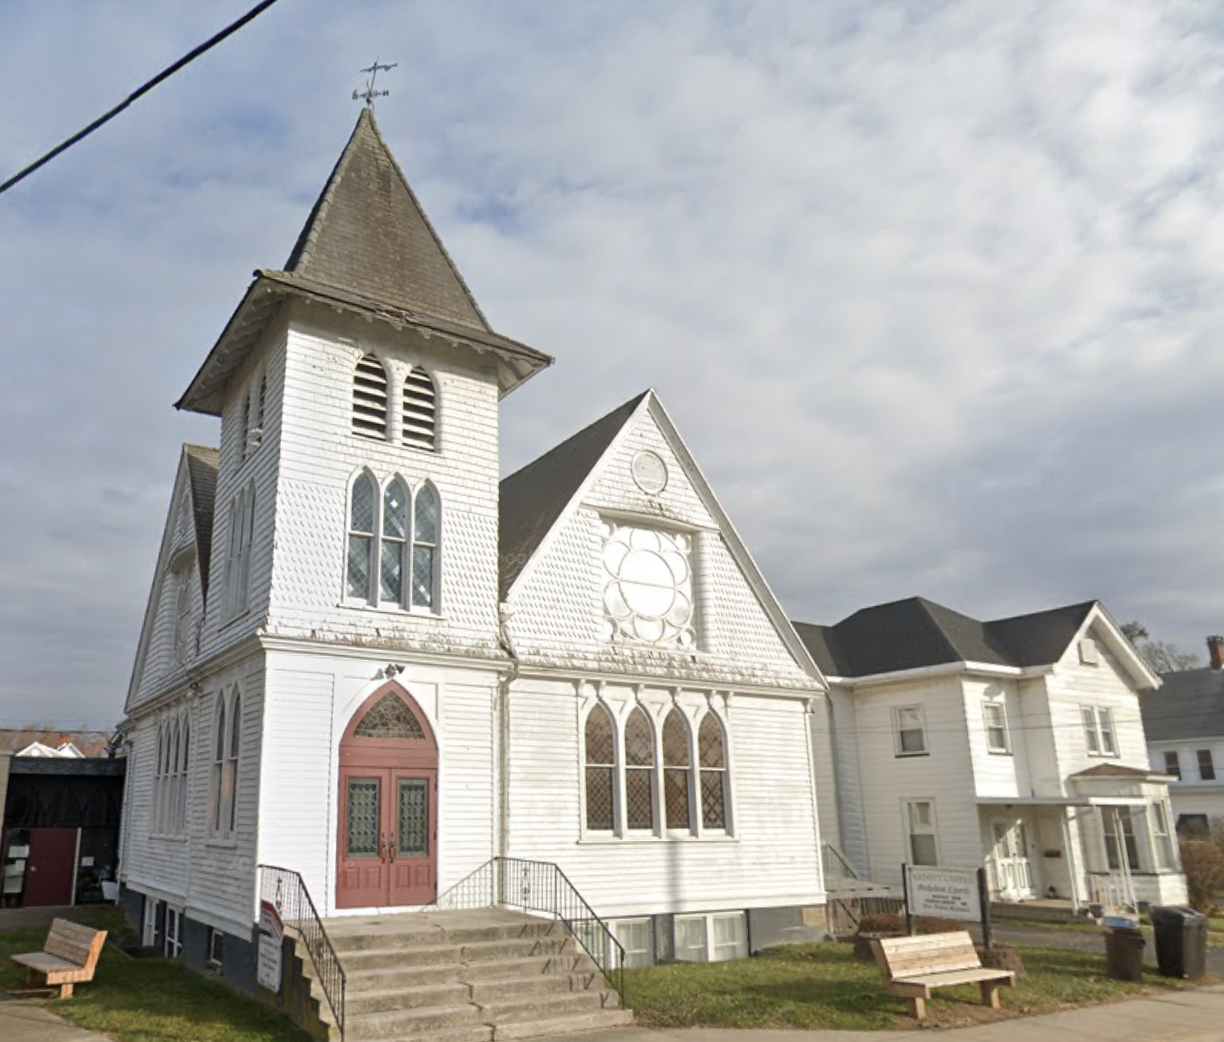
405 993
402 931
553 1026
543 1007
382 978
433 955
425 1022
507 989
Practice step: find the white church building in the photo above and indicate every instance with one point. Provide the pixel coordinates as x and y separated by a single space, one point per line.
369 661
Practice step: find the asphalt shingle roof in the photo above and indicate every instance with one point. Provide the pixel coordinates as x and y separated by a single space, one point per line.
532 498
1188 704
368 233
202 464
916 632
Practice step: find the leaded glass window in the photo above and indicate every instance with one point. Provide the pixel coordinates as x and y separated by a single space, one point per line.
600 769
389 717
426 518
231 766
361 830
648 589
394 540
712 756
677 776
639 771
361 537
413 816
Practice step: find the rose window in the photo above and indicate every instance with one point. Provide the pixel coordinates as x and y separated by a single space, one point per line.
649 592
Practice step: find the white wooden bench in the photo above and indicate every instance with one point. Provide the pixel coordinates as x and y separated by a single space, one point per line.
913 967
68 957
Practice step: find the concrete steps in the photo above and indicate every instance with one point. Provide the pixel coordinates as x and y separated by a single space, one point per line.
467 977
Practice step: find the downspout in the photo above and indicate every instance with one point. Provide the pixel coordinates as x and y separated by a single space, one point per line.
506 679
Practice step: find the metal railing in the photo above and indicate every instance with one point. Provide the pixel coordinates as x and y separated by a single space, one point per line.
835 864
846 913
541 886
287 891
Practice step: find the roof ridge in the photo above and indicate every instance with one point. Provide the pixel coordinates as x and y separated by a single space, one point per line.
1086 605
926 605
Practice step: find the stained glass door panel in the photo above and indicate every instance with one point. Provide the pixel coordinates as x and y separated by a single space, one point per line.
363 878
413 873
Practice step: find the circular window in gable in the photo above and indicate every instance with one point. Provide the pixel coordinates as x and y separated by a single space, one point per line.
649 472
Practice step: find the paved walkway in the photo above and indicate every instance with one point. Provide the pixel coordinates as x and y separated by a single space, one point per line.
25 1021
1184 1016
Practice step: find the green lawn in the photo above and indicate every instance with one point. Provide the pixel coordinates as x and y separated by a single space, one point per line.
823 986
150 1000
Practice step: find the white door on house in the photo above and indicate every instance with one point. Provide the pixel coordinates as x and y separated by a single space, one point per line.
1013 874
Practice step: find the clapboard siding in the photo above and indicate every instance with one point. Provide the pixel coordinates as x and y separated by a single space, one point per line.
997 774
772 859
466 780
849 791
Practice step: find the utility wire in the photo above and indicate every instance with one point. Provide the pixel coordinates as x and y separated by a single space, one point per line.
165 74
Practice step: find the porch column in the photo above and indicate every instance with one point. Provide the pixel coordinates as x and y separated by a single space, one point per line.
1073 868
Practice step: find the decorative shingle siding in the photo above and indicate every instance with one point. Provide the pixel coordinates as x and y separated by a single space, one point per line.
558 607
320 454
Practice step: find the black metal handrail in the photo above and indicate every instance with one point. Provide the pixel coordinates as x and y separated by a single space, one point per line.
541 886
286 889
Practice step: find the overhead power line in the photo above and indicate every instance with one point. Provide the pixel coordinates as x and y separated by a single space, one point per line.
165 74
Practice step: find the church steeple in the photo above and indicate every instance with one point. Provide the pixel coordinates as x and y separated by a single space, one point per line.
367 248
367 234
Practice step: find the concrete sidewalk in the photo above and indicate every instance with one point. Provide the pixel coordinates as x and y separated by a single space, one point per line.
26 1021
1184 1016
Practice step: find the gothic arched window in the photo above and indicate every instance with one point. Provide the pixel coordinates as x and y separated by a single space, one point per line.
712 756
600 749
426 532
392 565
677 775
370 399
639 771
360 537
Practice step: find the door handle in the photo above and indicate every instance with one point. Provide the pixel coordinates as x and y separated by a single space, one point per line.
382 846
391 846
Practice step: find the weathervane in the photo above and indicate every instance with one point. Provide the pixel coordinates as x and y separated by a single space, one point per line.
369 94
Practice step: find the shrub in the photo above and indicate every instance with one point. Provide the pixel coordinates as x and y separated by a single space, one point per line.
1203 863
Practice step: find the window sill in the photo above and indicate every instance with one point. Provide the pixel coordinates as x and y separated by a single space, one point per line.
999 752
221 844
396 610
910 756
167 837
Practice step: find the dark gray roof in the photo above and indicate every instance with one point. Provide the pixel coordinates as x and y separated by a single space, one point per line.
916 632
1188 704
368 233
89 766
202 463
532 498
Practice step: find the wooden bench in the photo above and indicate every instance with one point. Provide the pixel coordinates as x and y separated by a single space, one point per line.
913 967
68 957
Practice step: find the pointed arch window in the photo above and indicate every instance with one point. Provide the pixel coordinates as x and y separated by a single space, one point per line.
159 780
170 796
600 749
639 772
427 522
180 820
370 399
360 537
218 768
712 756
420 410
677 772
231 764
182 619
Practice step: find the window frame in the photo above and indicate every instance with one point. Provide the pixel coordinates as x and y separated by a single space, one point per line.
899 749
907 819
614 767
684 769
1005 748
225 765
1210 765
172 939
648 770
214 951
1160 828
1124 842
634 923
182 618
710 948
368 433
1175 771
1098 724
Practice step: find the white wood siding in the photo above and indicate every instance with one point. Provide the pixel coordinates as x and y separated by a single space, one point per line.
773 858
997 774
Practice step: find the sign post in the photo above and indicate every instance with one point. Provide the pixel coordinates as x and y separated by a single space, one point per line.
905 893
984 901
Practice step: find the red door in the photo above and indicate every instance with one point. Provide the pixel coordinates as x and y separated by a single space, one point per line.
49 874
388 805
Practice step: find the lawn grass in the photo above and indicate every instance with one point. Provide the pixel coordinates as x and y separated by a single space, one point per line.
150 1000
824 986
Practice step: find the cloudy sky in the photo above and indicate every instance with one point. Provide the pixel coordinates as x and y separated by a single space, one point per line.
934 291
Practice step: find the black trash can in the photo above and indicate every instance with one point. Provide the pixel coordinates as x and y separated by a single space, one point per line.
1124 954
1181 941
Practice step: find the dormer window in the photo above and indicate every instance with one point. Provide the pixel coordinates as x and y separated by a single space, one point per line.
420 410
370 399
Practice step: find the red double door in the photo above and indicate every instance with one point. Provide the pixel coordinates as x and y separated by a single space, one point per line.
387 850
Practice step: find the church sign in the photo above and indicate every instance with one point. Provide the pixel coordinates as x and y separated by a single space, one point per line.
271 938
944 893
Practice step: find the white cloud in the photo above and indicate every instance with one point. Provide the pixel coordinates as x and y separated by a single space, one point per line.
932 291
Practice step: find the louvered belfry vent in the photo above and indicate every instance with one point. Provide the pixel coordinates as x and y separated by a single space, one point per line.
370 399
420 410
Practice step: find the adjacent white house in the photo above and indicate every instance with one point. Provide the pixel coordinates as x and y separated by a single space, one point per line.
1184 722
1016 743
368 660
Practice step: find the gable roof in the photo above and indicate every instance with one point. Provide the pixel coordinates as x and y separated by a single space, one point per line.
202 464
533 497
368 233
1115 770
916 633
1190 704
368 249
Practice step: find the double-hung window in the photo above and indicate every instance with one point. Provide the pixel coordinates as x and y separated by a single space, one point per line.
920 824
909 729
994 716
1172 764
1161 838
1206 765
1099 730
1119 829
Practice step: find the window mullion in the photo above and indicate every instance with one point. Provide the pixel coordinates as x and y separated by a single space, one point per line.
620 820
